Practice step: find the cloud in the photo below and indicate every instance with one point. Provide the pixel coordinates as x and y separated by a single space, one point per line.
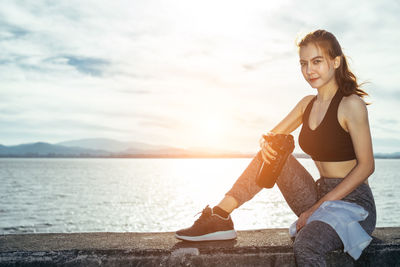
252 120
150 67
135 92
389 126
386 145
9 32
387 95
86 65
389 121
267 61
165 121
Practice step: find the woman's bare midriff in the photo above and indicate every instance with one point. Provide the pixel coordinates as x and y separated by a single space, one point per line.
338 169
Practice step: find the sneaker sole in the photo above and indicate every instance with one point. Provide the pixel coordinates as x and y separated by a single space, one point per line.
221 235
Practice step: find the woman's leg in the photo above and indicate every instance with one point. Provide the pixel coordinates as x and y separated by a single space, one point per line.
228 204
297 186
245 187
213 224
295 182
312 243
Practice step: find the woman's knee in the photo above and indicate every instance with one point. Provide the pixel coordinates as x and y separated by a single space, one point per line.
369 223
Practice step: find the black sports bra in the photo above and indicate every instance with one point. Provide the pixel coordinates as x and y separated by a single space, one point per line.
329 141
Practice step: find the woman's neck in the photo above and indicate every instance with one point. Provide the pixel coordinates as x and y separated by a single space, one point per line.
326 92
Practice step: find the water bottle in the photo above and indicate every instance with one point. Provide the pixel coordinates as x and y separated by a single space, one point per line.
283 144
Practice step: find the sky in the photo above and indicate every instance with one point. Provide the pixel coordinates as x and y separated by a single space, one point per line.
210 74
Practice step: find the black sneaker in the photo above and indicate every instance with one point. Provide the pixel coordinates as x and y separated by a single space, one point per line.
209 227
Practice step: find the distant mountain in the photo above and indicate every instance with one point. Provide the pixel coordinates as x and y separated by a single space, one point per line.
395 155
111 145
46 149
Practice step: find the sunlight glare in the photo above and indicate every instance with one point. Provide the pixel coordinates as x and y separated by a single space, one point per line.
210 130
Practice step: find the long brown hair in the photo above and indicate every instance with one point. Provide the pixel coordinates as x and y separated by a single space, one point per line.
345 79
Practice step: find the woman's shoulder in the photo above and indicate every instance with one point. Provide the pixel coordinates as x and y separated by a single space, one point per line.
306 100
352 106
309 97
352 102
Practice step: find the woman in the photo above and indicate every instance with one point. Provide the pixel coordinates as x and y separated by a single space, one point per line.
335 133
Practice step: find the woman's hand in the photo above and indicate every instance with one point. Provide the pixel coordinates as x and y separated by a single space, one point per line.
301 222
267 152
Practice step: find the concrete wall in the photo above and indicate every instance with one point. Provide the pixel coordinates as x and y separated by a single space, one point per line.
267 247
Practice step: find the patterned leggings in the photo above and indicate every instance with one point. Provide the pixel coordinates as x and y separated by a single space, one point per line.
300 192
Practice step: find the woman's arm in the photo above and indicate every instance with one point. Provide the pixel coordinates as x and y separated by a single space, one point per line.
358 126
294 119
290 123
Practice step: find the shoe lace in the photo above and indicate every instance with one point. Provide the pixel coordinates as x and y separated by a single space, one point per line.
205 214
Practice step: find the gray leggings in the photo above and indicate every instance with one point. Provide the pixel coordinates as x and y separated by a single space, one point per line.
300 192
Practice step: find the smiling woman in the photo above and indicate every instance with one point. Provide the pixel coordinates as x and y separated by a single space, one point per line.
347 146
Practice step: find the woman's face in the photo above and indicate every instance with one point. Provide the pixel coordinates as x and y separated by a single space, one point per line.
318 69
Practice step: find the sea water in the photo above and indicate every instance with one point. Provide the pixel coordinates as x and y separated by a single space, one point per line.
52 195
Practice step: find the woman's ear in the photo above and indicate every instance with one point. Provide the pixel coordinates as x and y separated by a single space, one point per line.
336 62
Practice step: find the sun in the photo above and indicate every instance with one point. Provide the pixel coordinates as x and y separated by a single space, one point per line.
212 128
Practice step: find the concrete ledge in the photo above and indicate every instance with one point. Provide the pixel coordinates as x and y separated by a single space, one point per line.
267 247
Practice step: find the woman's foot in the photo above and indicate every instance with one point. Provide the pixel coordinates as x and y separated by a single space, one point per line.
208 227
